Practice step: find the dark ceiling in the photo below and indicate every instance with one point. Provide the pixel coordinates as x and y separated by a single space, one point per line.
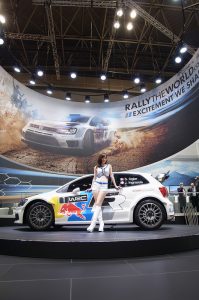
64 36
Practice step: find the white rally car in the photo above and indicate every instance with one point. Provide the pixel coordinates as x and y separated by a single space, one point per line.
77 132
141 200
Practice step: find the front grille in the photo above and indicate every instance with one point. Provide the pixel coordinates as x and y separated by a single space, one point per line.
40 139
72 143
51 129
34 125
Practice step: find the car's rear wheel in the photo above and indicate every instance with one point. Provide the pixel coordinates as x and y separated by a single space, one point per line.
149 214
88 142
40 216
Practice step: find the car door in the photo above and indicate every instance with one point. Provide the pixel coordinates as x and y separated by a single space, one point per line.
118 203
113 205
79 206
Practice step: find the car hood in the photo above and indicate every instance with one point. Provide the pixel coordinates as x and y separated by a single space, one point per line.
44 196
55 124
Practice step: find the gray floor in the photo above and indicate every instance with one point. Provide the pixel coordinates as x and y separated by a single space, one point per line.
166 277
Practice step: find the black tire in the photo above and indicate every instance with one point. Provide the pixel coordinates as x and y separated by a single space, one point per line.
149 214
40 216
88 143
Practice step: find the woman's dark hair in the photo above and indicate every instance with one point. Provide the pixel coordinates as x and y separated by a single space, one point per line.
99 160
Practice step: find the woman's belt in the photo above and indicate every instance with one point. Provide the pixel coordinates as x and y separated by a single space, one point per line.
101 182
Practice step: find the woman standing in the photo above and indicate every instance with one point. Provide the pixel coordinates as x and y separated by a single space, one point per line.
102 171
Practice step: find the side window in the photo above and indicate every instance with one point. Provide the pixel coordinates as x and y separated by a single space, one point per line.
83 184
94 121
105 122
63 189
125 180
131 180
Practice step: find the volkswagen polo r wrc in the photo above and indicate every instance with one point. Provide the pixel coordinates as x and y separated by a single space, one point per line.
77 132
141 199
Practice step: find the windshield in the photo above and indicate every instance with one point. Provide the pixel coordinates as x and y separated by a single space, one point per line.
77 118
63 189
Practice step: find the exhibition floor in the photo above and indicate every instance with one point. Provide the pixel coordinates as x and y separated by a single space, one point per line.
119 241
166 277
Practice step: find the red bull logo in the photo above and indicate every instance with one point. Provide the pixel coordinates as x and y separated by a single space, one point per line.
70 209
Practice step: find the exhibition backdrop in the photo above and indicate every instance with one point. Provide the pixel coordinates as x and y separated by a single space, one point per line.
46 141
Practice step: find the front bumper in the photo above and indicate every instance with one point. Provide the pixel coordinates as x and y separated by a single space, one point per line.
19 212
170 211
53 141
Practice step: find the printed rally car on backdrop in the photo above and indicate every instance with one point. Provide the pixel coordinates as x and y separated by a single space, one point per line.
141 200
77 132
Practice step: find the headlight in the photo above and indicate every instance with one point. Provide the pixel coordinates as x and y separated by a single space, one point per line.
67 131
22 202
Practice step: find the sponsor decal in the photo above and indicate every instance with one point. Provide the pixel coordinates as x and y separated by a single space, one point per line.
71 209
77 198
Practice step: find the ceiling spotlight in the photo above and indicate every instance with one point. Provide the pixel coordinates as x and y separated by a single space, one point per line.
158 80
125 95
116 24
1 41
87 99
17 69
178 59
73 75
133 14
106 98
2 19
136 80
143 89
103 77
49 90
119 12
183 49
129 26
40 73
32 80
68 96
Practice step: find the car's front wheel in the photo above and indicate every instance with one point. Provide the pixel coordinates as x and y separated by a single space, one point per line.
149 214
40 216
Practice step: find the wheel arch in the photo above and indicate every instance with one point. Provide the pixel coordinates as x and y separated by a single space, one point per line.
148 198
31 203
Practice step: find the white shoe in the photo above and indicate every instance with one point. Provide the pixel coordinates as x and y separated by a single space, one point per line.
101 222
94 219
101 227
91 228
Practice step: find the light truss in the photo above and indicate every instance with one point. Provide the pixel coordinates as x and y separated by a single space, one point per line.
27 37
81 3
113 4
45 38
53 39
151 20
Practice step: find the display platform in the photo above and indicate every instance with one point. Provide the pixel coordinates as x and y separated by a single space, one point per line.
117 241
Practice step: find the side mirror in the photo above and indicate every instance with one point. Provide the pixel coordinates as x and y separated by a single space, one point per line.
76 191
